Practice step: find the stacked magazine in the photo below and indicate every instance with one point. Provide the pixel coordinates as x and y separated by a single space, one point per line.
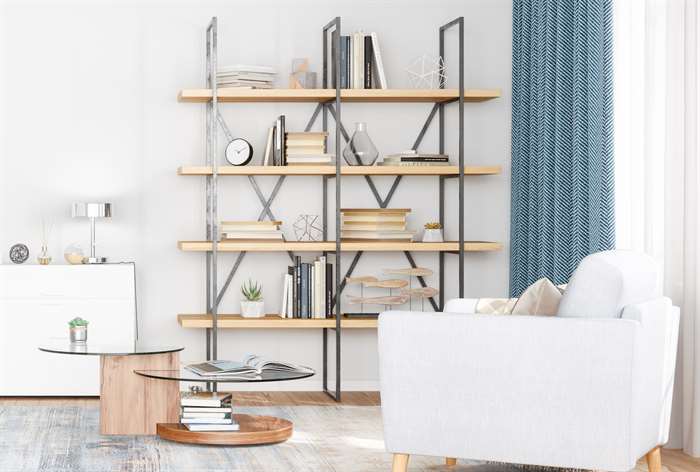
245 76
252 368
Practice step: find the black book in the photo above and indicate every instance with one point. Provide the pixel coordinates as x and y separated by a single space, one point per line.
283 143
368 62
329 289
297 288
344 61
304 290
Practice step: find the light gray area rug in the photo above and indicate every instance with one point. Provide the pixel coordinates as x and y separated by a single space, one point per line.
326 438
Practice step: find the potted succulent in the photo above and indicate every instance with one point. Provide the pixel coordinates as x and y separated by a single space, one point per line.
253 306
432 233
78 330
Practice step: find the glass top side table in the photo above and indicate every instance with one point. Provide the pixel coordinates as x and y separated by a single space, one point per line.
129 403
254 429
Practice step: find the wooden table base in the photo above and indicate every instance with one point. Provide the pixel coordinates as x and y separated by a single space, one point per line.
132 404
255 430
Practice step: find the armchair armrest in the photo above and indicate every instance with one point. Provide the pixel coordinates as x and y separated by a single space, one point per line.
534 390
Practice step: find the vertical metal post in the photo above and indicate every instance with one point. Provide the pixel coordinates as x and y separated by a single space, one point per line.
213 216
338 257
441 134
461 157
207 160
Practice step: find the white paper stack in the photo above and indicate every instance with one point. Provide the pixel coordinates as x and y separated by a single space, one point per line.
245 76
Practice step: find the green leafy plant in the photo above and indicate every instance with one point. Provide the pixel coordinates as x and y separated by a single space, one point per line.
77 322
252 291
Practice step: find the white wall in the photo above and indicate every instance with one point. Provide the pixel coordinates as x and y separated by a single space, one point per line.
89 112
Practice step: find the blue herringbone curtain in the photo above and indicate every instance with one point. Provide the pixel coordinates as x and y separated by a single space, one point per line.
562 206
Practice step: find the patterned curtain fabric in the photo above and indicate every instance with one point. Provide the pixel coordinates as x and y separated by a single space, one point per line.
562 205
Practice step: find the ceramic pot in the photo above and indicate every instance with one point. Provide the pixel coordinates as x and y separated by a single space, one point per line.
78 334
252 309
432 236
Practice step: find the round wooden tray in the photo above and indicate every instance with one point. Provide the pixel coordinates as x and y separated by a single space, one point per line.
254 430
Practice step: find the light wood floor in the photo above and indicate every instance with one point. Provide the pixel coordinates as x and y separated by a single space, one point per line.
673 459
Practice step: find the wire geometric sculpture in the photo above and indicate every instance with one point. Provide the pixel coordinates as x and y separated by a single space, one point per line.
306 228
427 72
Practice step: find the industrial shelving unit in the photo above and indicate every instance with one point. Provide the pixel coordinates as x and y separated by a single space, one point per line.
329 105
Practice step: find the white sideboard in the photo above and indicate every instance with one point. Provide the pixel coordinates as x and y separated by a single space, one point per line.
36 303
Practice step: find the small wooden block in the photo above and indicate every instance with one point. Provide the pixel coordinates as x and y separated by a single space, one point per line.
132 404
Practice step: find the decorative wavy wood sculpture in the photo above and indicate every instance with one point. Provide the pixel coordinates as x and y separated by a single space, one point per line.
360 280
423 292
412 271
392 300
391 283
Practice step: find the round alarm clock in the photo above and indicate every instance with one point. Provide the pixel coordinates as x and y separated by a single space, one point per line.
239 152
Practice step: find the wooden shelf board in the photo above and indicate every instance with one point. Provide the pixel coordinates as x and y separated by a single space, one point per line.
344 170
237 95
273 246
271 322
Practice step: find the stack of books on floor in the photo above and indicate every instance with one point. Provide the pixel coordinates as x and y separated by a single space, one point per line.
414 158
207 411
307 290
361 65
245 76
369 224
306 148
251 231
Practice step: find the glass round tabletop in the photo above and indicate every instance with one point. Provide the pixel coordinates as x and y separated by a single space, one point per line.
185 375
64 346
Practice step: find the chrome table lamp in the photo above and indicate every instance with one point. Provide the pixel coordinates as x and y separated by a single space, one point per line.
92 211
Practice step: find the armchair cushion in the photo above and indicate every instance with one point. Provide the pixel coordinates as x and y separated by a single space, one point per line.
605 282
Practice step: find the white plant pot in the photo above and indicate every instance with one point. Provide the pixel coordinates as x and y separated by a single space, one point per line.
432 236
252 309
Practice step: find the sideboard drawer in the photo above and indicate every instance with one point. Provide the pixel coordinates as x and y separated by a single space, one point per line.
113 281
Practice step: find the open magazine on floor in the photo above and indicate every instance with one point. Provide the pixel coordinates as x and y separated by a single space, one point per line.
251 367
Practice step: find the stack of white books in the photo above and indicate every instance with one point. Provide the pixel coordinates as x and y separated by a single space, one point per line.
251 230
306 148
380 224
207 412
245 76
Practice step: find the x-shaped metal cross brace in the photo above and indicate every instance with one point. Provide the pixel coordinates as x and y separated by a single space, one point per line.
265 212
384 202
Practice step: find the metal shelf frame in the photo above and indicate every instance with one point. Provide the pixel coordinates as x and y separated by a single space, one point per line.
214 120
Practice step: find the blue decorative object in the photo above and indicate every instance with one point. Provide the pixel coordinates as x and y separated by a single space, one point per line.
562 195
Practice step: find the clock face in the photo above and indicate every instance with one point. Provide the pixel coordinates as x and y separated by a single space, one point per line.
239 152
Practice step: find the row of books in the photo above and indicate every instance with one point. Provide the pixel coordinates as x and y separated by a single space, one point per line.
382 224
308 289
361 65
303 148
207 412
414 158
245 76
251 230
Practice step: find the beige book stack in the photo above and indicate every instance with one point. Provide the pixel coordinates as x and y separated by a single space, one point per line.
251 231
307 148
370 224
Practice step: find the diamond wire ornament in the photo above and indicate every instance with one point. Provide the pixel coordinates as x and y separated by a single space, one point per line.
306 228
426 72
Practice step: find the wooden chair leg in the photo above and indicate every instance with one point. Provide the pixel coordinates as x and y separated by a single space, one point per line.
450 461
400 463
654 460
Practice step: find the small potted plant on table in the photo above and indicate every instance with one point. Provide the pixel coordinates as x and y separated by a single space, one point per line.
78 330
253 306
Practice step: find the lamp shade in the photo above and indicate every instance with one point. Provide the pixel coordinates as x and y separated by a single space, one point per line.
92 210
